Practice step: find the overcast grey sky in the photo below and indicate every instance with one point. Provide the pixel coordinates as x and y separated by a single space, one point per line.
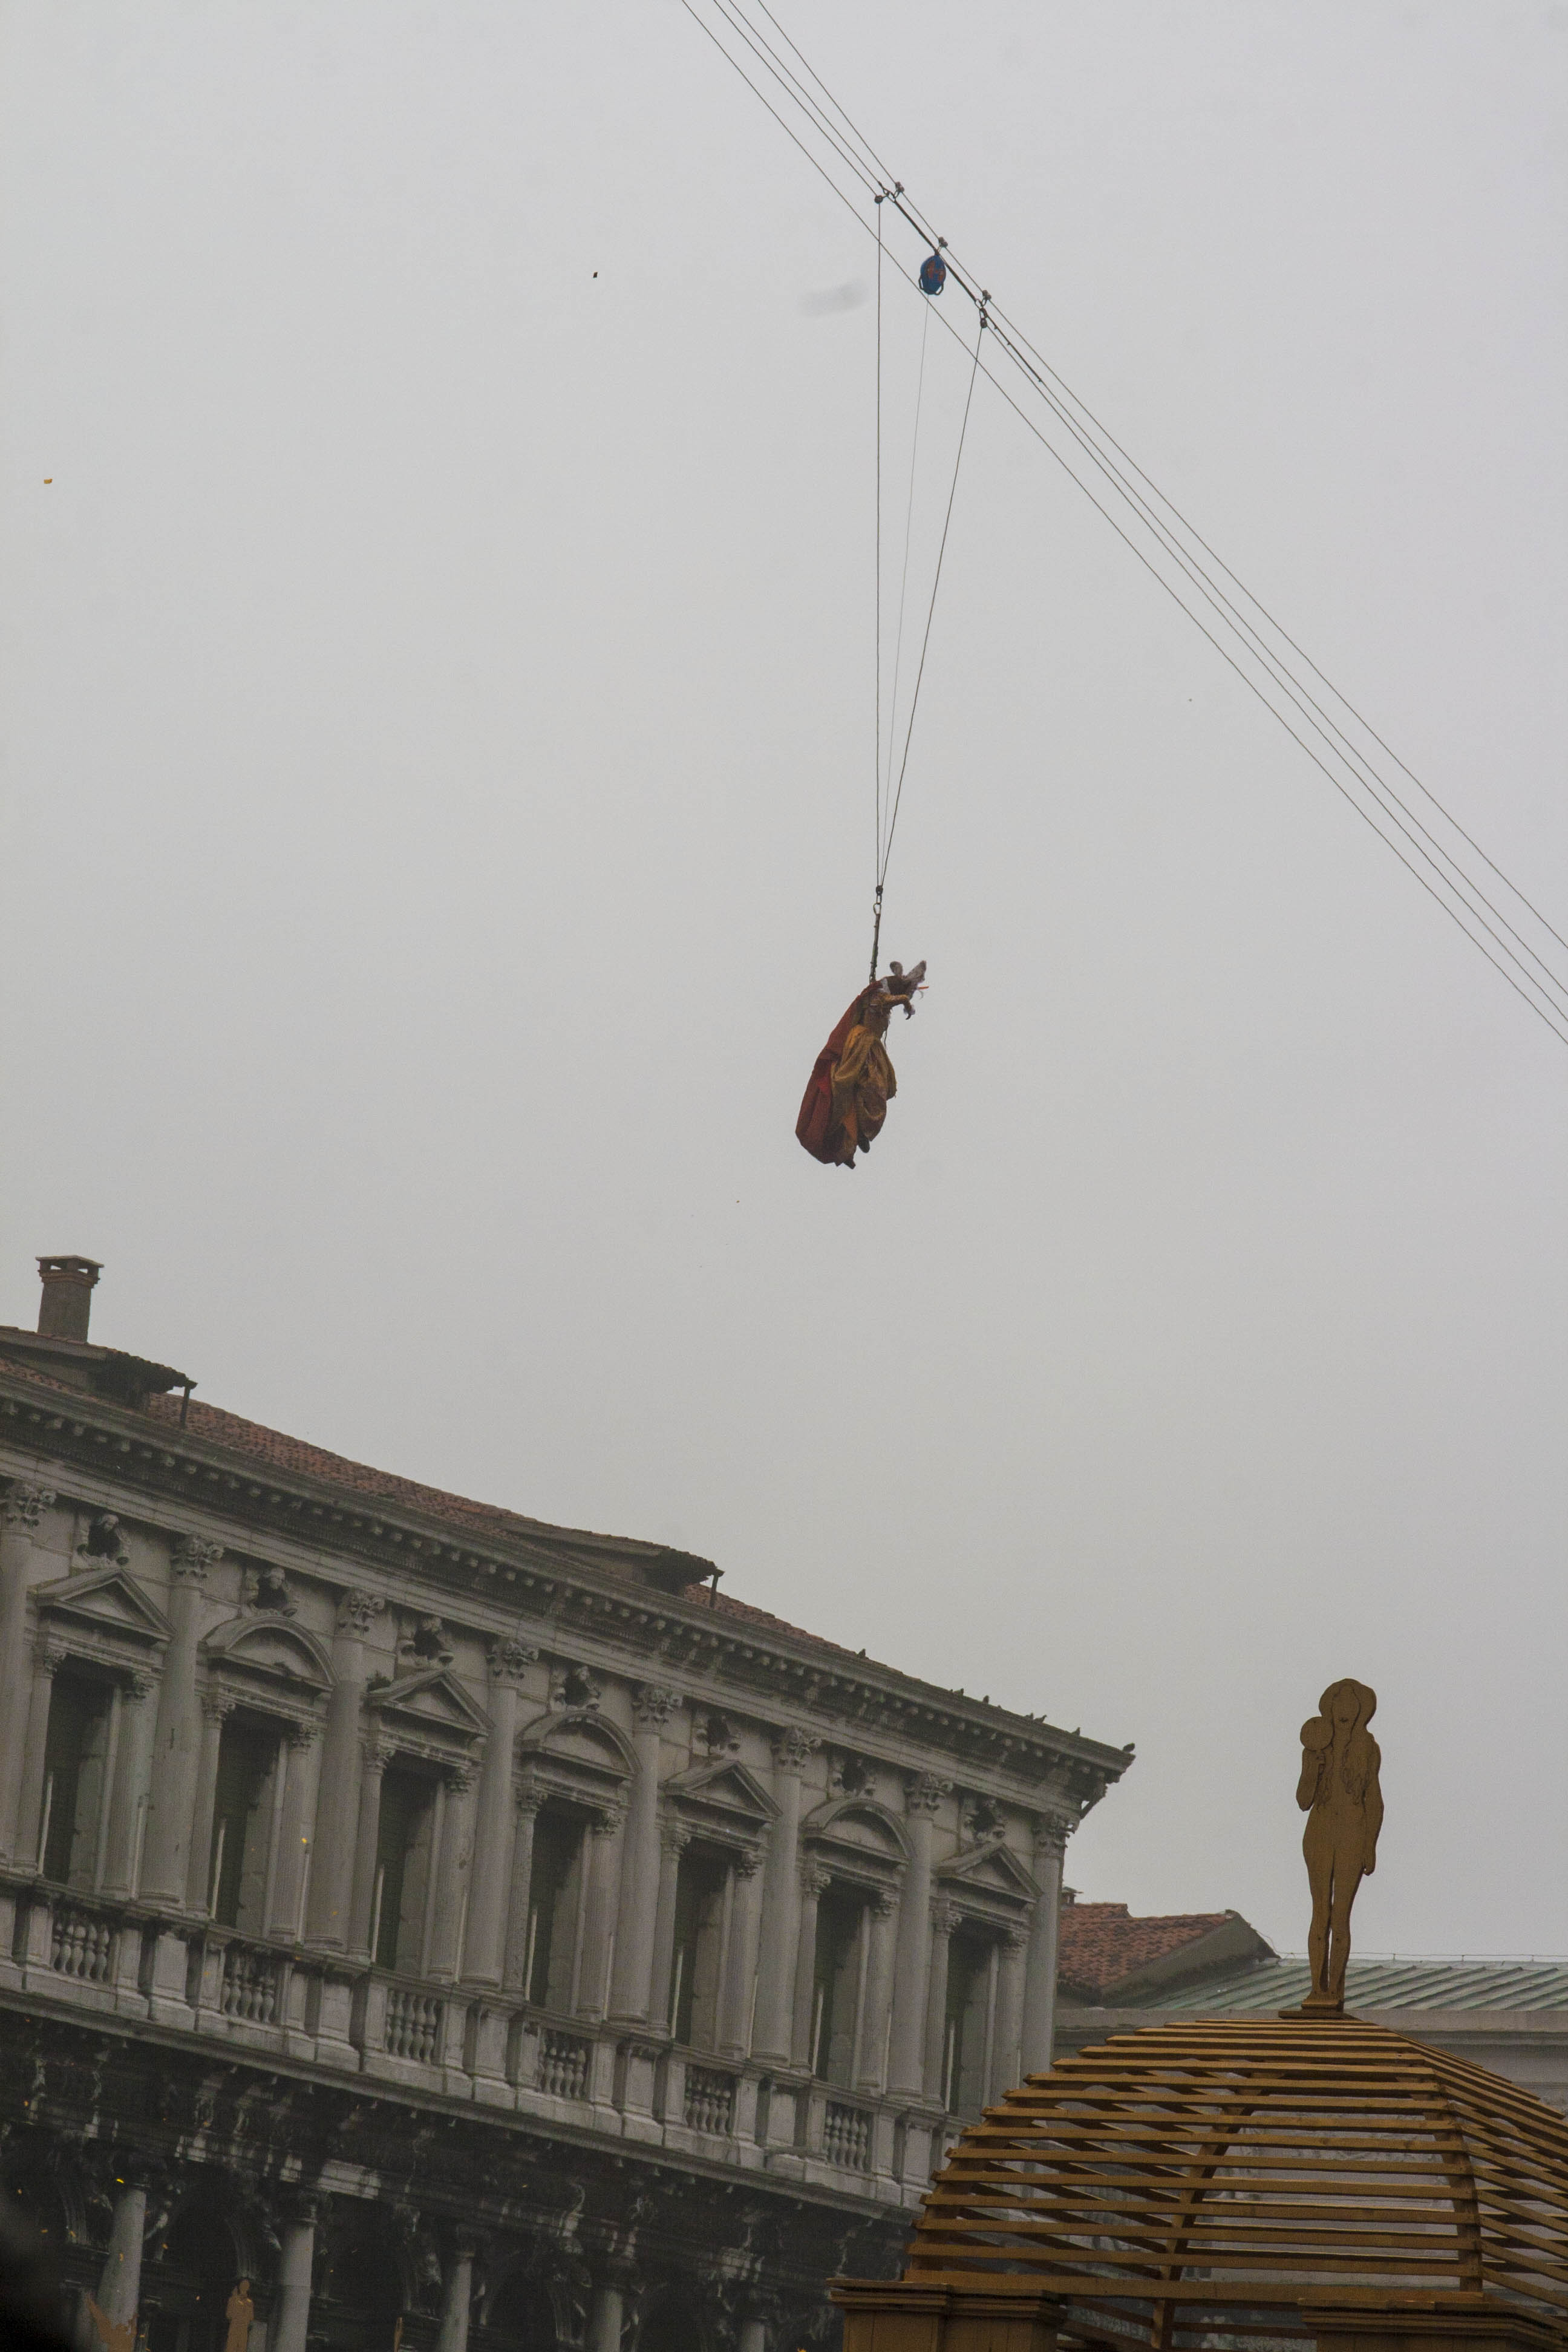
437 725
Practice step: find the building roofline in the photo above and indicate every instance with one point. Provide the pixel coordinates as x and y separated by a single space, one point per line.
586 1580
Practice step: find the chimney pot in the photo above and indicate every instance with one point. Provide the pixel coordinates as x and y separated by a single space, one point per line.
67 1300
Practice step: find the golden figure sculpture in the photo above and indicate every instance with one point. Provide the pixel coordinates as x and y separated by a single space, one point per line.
1339 1793
240 2314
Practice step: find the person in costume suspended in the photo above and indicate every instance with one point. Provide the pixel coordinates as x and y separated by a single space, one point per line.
852 1081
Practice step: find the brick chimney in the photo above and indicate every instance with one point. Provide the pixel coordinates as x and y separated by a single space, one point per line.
67 1300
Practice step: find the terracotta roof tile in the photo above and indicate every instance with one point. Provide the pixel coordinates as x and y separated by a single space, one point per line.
1101 1944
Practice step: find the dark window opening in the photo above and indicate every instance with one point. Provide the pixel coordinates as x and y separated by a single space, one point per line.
967 2032
835 1988
403 1839
237 1864
521 2318
554 1899
700 1890
187 2283
361 2299
76 1760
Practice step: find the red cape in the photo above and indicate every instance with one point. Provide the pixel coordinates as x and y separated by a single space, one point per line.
815 1127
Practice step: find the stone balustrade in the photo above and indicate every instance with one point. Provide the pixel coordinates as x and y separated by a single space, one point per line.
465 2044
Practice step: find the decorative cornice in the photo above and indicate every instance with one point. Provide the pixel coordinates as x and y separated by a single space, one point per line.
23 1506
558 1575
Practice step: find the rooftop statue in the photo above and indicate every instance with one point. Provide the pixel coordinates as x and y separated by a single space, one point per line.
1340 1795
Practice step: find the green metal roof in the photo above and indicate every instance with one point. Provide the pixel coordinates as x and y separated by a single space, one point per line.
1381 1984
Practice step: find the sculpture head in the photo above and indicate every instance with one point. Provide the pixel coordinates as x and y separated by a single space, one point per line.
1347 1707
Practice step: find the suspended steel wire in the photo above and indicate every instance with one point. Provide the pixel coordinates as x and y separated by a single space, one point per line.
1447 879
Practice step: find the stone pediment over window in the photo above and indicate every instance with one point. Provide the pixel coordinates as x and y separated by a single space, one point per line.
103 1613
581 1756
989 1882
722 1800
428 1714
270 1662
857 1838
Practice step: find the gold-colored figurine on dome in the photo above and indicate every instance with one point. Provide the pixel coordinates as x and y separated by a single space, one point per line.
1340 1794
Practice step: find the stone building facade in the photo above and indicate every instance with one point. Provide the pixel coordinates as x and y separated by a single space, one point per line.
470 1930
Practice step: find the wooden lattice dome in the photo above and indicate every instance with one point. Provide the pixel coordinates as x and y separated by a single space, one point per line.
1229 2181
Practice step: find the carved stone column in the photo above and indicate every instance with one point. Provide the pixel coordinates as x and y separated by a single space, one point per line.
301 1760
484 1948
454 1867
49 1656
21 1516
529 1797
814 1882
652 1709
1040 1967
906 2071
120 2283
605 2315
216 1708
944 1920
457 2296
291 2319
781 1902
604 1864
673 1839
374 1757
337 1808
132 1768
880 1916
1004 2066
177 1742
741 1960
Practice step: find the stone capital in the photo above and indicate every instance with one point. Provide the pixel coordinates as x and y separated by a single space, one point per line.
923 1792
375 1754
25 1505
357 1610
794 1747
609 1821
530 1796
191 1557
815 1880
944 1918
48 1654
1051 1836
304 1734
654 1705
883 1904
138 1686
507 1660
1015 1937
217 1706
675 1836
461 1778
748 1862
